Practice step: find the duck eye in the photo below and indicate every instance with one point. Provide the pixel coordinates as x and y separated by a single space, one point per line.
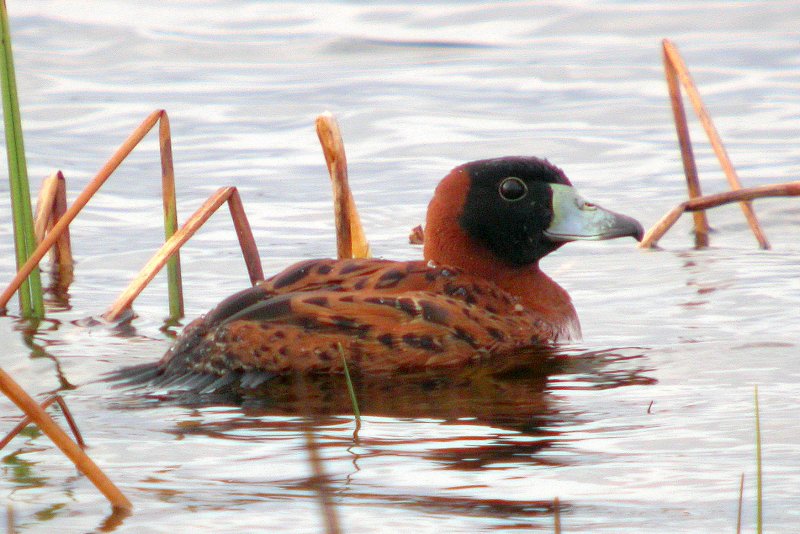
512 189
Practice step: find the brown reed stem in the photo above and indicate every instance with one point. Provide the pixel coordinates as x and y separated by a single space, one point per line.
63 255
246 240
657 231
672 55
81 460
50 207
685 143
44 206
350 239
189 228
787 189
83 198
556 516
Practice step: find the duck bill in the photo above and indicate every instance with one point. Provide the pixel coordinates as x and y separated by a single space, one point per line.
576 219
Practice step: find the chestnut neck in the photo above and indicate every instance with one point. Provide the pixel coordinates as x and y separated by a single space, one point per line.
446 243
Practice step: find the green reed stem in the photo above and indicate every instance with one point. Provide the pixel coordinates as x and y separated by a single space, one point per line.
350 389
759 511
174 281
30 294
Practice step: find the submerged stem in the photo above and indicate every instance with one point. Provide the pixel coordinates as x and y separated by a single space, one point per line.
759 511
350 389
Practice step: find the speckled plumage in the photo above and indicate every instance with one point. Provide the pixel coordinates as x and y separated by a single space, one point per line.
386 315
478 293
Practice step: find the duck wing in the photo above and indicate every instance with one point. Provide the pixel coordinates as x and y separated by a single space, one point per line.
380 315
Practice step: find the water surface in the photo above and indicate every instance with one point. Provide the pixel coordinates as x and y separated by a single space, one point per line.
645 425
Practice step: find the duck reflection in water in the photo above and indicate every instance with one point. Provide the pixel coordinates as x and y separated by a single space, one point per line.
518 405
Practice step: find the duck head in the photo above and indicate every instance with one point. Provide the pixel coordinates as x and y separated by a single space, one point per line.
508 213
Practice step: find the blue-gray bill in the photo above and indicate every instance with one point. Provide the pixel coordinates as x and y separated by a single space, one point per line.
576 219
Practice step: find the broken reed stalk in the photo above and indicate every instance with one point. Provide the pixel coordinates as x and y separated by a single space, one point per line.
83 198
27 420
673 58
350 239
81 460
759 510
687 154
416 236
174 281
244 234
50 206
189 228
30 298
657 231
45 205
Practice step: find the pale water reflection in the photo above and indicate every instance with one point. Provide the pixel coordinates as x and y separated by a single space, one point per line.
645 426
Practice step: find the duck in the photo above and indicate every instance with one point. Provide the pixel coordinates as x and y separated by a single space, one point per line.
478 292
